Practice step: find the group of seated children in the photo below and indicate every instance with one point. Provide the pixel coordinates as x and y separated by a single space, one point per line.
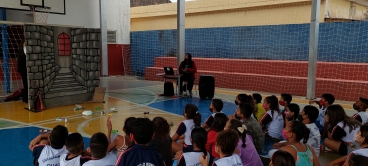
236 139
301 131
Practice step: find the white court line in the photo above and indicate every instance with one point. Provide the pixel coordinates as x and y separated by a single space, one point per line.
95 114
24 124
78 115
151 86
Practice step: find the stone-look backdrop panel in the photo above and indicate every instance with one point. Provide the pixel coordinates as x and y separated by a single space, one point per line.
86 57
41 65
44 72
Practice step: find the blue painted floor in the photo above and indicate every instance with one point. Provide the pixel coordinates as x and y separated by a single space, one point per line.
176 106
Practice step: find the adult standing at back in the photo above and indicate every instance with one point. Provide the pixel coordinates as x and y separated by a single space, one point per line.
22 69
188 69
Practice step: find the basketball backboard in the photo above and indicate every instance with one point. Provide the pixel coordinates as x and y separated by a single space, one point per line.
57 6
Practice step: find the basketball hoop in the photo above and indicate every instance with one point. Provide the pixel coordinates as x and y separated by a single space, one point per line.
40 14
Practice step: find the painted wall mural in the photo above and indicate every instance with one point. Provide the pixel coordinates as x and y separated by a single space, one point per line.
63 63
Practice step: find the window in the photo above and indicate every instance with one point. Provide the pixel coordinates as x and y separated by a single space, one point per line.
64 44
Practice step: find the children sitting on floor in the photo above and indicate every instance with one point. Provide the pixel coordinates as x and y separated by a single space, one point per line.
258 102
327 99
98 148
226 143
193 119
215 107
199 139
75 145
140 153
361 106
246 150
361 137
308 115
162 141
254 129
218 125
341 130
44 154
272 122
120 143
244 98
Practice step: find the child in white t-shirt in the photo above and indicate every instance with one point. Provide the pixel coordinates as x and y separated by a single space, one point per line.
98 149
45 154
75 145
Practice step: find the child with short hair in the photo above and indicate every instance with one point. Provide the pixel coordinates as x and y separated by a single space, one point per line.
240 98
120 143
361 137
246 149
282 158
285 99
226 143
162 141
327 99
215 107
308 116
199 139
361 106
49 154
193 119
218 125
75 145
140 153
272 122
98 149
258 105
357 160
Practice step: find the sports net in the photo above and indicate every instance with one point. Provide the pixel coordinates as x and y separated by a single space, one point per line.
10 79
40 14
257 45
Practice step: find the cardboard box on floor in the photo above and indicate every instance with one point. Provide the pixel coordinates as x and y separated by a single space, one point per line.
99 95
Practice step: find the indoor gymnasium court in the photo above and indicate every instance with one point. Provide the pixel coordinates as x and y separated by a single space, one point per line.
266 47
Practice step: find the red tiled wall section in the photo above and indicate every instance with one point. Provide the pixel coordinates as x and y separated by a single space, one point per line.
347 81
117 55
346 71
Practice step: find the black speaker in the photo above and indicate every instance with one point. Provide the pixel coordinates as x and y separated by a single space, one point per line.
168 89
206 87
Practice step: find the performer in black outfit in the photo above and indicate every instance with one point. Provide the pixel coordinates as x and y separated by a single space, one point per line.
22 69
188 69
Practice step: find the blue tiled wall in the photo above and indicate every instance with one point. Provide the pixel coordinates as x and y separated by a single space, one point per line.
338 42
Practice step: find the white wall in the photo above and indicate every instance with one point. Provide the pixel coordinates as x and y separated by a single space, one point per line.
86 13
118 18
